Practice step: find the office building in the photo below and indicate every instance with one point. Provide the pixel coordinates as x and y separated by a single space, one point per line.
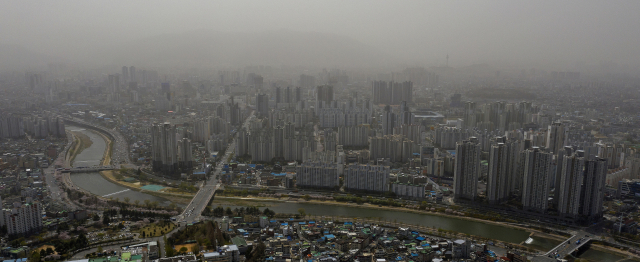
467 169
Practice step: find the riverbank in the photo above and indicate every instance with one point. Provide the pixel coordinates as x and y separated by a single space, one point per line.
391 214
106 159
79 144
397 209
173 197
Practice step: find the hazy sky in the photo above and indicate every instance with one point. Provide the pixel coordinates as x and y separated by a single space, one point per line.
421 32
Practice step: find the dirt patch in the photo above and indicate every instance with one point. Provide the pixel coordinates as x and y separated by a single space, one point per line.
188 246
44 247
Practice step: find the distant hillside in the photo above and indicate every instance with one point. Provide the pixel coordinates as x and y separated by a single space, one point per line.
237 49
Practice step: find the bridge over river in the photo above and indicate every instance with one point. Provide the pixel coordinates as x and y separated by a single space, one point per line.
570 246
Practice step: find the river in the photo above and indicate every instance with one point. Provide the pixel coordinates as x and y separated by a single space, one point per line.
502 233
96 184
93 181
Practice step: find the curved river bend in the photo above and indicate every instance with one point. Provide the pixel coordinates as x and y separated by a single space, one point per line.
93 181
96 184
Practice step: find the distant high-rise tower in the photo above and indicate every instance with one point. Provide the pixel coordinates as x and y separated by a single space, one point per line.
467 169
132 73
307 81
125 74
556 137
324 93
388 121
262 104
298 94
537 180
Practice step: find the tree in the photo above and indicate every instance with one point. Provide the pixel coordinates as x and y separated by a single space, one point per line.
81 241
183 250
99 250
136 201
49 251
96 217
168 249
302 212
35 257
196 249
43 253
106 220
143 234
228 211
126 200
147 202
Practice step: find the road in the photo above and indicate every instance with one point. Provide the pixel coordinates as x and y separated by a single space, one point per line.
193 211
52 185
566 247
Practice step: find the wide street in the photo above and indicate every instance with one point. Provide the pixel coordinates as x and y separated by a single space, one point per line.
200 201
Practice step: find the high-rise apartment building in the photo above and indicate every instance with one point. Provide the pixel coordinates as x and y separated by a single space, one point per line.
556 137
391 93
467 169
164 148
318 174
498 174
125 73
22 218
593 187
367 177
132 73
185 157
262 104
536 180
569 190
307 81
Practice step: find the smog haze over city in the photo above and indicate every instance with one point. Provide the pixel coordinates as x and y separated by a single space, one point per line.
598 36
226 131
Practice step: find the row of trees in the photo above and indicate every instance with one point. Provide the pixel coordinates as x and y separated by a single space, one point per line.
374 201
252 210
